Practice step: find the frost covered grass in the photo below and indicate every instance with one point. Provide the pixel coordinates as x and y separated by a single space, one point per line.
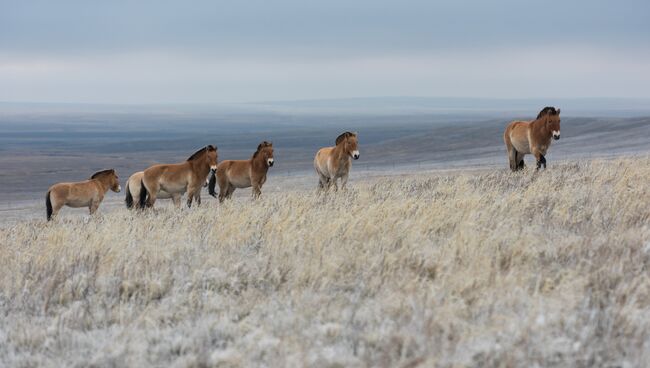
473 269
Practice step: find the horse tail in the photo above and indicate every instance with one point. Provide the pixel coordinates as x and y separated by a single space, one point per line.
212 184
129 197
143 194
48 206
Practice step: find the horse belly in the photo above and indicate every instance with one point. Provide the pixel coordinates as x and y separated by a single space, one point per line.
240 182
80 195
77 202
164 195
170 187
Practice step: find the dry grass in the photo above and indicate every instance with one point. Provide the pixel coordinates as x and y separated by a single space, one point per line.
492 269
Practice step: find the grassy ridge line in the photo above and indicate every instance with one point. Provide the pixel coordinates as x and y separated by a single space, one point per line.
485 269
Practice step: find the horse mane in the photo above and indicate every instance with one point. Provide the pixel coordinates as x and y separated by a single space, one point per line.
341 137
261 146
548 110
103 172
198 153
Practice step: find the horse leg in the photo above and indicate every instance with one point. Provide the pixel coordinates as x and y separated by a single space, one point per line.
231 190
55 210
344 181
152 189
94 205
541 160
512 152
190 195
322 182
257 191
56 207
197 196
225 191
224 185
512 157
176 198
519 161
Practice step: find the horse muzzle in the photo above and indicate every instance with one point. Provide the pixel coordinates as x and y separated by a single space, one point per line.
270 162
355 155
556 137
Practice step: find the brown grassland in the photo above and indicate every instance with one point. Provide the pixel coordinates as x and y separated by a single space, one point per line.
486 268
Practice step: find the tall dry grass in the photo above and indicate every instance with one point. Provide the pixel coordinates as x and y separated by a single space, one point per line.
474 269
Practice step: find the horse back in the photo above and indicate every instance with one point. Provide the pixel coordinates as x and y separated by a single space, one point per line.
75 194
517 129
167 172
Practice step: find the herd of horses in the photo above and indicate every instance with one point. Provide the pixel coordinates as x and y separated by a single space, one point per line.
171 181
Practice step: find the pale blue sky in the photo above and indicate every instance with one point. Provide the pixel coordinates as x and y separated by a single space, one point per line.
239 51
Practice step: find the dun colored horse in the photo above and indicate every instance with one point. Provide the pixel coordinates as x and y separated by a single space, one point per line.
232 174
133 187
88 193
332 163
522 138
176 179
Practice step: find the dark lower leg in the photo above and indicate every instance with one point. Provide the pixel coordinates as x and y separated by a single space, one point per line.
541 161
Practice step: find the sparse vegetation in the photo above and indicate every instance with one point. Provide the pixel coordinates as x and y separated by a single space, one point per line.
475 269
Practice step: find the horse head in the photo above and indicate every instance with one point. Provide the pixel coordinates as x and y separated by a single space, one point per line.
350 144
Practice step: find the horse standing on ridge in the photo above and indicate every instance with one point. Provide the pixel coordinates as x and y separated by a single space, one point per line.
232 174
176 179
523 137
332 163
89 193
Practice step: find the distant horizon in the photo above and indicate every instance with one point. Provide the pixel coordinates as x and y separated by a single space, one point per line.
333 99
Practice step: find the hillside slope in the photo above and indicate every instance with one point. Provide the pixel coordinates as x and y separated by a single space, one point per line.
483 269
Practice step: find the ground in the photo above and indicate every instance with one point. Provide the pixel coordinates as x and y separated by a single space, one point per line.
472 268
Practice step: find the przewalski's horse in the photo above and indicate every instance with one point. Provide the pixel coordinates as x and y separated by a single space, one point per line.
523 137
177 179
133 187
332 163
88 193
232 174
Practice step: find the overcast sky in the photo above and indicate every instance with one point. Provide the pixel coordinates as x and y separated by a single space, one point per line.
240 51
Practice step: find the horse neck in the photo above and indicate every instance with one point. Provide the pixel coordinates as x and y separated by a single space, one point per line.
102 183
339 152
258 163
539 125
199 165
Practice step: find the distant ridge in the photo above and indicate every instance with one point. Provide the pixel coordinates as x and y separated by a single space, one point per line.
460 104
600 106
